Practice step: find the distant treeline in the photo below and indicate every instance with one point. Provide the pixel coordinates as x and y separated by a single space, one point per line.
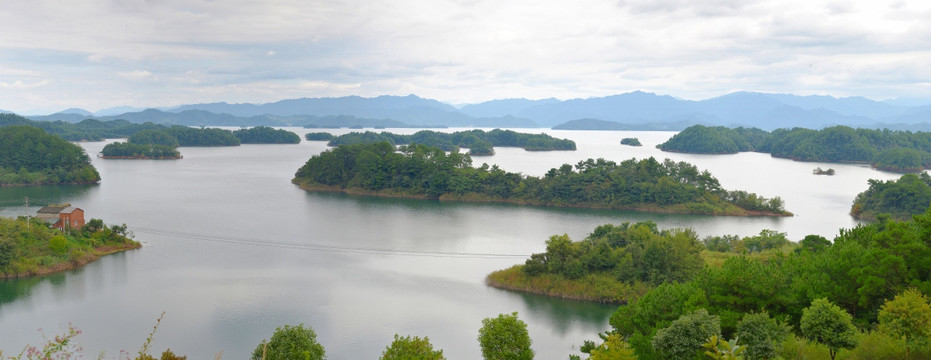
901 199
86 130
163 143
479 142
899 151
30 156
429 172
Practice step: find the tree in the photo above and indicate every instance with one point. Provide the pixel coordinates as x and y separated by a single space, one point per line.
828 324
408 348
613 348
505 338
908 316
684 338
290 342
760 333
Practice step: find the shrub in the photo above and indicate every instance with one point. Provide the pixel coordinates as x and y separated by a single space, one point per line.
290 342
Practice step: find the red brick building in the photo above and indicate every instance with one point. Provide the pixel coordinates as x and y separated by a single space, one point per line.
62 216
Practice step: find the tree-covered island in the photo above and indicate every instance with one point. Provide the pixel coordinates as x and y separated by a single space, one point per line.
421 171
900 199
30 156
897 151
479 142
29 247
631 142
266 135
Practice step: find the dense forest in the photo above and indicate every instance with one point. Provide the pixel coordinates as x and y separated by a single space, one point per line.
429 172
901 199
899 151
862 296
86 130
30 247
266 135
30 156
479 142
319 136
631 142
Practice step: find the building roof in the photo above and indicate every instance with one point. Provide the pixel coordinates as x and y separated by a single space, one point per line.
53 209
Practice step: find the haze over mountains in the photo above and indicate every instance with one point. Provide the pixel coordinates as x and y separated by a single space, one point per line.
634 110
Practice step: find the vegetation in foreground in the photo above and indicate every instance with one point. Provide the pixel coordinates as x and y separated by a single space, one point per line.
32 157
897 151
479 142
901 199
30 247
421 171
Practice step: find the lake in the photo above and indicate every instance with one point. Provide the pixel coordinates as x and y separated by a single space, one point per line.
233 250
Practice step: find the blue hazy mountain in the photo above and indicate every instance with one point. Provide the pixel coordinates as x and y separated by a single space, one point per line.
633 110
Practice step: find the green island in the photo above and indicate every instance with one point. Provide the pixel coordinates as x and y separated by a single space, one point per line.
900 199
266 135
479 142
86 130
896 151
319 136
631 142
30 247
30 156
420 171
869 288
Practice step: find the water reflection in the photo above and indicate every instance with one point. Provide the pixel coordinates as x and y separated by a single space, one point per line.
15 289
563 315
13 197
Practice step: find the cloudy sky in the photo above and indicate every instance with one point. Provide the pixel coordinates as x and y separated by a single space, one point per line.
95 54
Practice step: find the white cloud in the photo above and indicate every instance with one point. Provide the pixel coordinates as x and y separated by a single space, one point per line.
135 74
18 84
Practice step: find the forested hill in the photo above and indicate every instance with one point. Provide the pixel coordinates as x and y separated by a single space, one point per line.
901 199
29 156
429 172
899 151
479 142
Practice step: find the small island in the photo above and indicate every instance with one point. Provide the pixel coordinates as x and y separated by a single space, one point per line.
819 171
420 171
631 142
479 142
895 151
266 135
899 199
319 136
30 156
35 246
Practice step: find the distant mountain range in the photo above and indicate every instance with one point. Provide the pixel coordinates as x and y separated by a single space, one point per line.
630 111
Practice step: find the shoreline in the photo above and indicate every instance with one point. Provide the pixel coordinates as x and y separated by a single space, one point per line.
72 265
476 198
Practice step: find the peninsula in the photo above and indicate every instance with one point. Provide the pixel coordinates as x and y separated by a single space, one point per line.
420 171
30 156
30 247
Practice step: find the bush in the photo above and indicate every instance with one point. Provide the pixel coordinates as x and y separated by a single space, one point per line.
505 338
408 348
685 337
290 342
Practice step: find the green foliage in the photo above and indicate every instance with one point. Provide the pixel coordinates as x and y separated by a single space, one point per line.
290 342
907 316
828 324
32 248
814 243
422 171
719 349
699 139
86 130
613 348
479 141
631 142
761 334
266 135
188 136
319 136
657 309
153 137
909 195
505 338
33 157
900 151
684 338
408 348
140 151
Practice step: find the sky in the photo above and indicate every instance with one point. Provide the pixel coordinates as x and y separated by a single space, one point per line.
97 54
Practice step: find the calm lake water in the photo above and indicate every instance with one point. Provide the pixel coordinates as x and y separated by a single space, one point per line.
232 250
